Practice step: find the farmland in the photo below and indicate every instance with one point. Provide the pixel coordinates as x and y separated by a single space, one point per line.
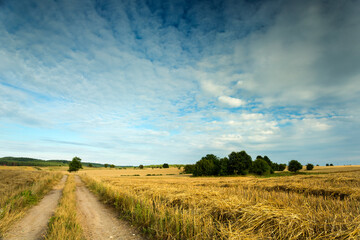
165 204
321 206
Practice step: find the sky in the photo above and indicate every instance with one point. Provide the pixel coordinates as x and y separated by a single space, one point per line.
151 82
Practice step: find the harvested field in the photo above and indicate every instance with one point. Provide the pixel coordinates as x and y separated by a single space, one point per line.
322 206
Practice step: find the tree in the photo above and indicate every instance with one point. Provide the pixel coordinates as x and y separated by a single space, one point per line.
282 167
294 166
165 165
75 164
239 163
141 166
207 166
106 165
224 167
90 165
260 167
189 168
327 164
331 164
112 166
309 166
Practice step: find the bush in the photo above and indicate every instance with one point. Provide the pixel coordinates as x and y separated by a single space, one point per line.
309 166
112 166
75 164
141 166
260 167
165 165
294 166
106 165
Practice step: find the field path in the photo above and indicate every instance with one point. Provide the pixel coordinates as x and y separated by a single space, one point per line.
99 221
34 224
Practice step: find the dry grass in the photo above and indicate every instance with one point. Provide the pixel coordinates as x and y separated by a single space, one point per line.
295 207
20 189
64 224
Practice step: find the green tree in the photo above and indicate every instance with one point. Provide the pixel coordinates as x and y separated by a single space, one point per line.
294 166
207 166
189 168
260 167
239 163
90 165
75 164
224 167
106 165
112 166
309 166
141 166
165 165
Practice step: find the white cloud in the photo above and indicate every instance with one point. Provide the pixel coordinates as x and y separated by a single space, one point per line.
231 102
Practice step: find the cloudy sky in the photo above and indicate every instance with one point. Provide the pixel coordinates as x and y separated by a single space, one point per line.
149 81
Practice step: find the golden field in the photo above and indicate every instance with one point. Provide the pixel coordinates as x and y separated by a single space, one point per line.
20 188
321 206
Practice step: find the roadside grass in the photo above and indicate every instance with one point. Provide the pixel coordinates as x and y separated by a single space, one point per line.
301 206
64 224
21 189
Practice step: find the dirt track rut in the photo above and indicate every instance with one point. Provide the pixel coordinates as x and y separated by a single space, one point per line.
99 221
34 225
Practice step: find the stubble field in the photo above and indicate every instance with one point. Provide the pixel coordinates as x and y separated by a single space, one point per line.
164 204
321 206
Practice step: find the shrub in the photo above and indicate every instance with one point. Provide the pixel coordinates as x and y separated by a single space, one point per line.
260 167
309 166
294 166
165 165
141 166
112 166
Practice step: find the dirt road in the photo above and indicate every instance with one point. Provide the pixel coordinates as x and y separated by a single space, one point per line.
34 225
99 221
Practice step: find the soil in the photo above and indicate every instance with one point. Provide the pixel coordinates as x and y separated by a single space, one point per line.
34 224
100 221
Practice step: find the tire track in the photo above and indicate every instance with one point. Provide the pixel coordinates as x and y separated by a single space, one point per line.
99 221
34 224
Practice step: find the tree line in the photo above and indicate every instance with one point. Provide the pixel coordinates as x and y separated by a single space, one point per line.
238 163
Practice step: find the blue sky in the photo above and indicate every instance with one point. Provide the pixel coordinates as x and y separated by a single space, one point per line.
148 82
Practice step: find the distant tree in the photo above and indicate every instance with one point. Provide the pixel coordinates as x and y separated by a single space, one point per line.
112 166
239 163
260 167
207 166
106 165
75 164
327 164
90 165
331 164
309 166
141 166
282 167
224 167
165 165
294 166
189 168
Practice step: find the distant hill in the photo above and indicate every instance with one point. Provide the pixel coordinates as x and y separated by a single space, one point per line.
23 161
